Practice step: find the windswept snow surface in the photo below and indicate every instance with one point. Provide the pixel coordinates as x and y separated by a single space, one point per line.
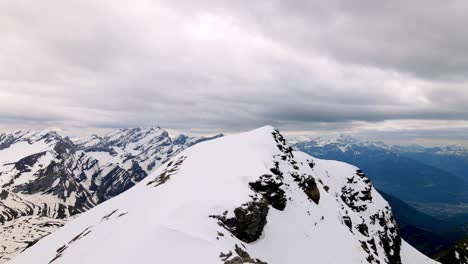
409 254
166 217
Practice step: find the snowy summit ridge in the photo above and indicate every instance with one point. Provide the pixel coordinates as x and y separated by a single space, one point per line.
246 198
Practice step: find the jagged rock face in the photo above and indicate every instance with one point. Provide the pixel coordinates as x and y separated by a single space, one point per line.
46 176
456 255
214 202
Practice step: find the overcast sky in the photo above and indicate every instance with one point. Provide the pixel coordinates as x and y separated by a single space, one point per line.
373 67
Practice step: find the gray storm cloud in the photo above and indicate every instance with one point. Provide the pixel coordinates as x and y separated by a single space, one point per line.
233 65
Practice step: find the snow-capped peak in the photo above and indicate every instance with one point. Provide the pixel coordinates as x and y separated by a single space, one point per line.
246 198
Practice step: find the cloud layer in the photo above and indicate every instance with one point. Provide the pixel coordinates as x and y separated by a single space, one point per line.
233 65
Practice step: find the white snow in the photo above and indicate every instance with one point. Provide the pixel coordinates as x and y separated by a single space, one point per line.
20 150
410 254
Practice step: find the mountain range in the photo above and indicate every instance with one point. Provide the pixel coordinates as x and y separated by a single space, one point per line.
453 159
246 198
392 171
46 179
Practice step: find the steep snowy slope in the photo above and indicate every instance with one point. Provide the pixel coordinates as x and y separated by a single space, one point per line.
46 178
245 198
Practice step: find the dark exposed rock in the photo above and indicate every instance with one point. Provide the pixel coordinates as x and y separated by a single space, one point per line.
390 235
63 248
106 217
6 140
379 217
242 257
183 140
61 211
281 145
122 214
3 194
119 180
308 185
458 254
350 197
392 245
64 146
373 246
225 256
347 221
24 164
31 243
366 195
171 169
276 171
56 179
365 247
363 229
151 166
371 255
269 188
248 222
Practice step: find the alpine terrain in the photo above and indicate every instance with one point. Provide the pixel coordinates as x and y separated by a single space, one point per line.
425 187
246 198
45 179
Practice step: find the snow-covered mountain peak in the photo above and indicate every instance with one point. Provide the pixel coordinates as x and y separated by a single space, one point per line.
246 198
340 143
121 137
23 139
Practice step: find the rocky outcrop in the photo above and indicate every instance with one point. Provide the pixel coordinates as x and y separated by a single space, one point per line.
308 185
242 257
248 221
269 187
458 254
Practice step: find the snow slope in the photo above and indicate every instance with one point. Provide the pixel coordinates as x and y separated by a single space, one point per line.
244 198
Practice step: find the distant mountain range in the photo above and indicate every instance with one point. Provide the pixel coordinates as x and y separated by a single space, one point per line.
393 170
